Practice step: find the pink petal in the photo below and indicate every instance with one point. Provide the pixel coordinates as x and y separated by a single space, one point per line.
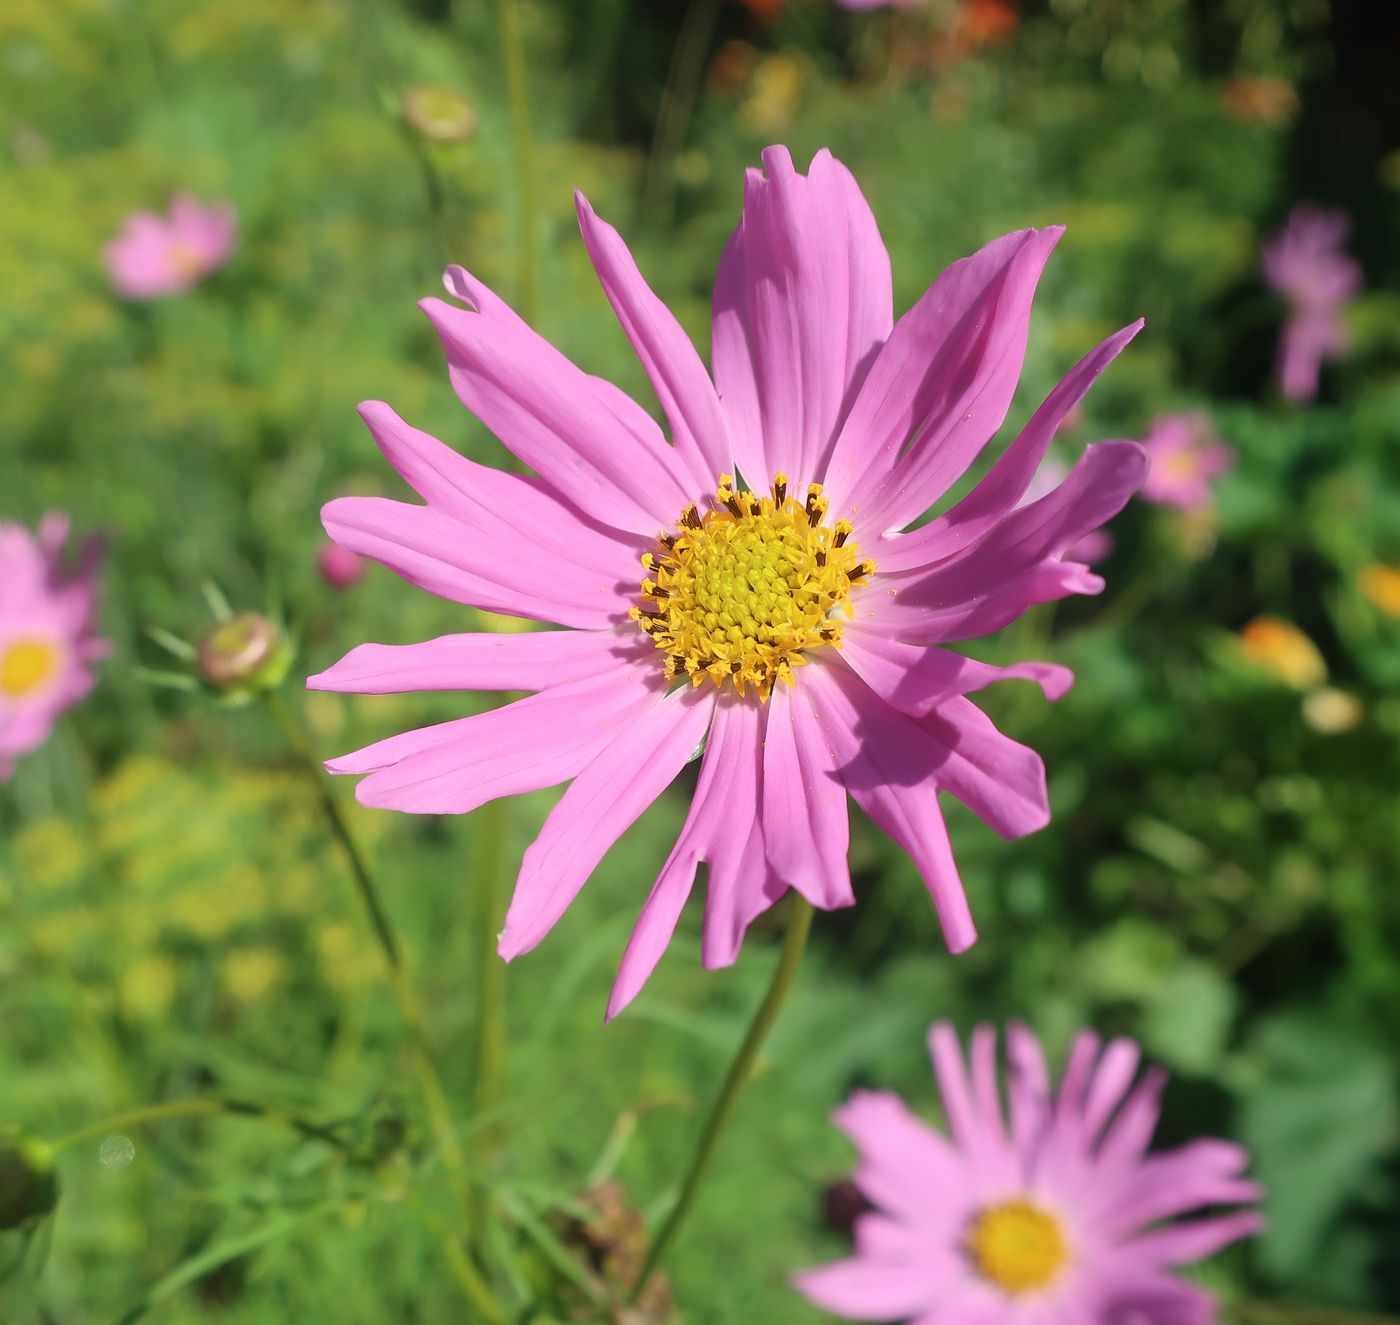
1182 1244
593 446
722 819
603 801
534 660
905 1166
1000 780
802 301
890 765
455 766
1112 1079
974 1133
941 386
1203 1173
1009 479
871 1290
484 563
1130 1133
916 679
1028 1087
805 824
984 1080
670 359
1095 490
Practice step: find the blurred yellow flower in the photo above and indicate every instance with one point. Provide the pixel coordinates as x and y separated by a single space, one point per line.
774 92
1332 711
1381 586
1281 649
248 974
147 987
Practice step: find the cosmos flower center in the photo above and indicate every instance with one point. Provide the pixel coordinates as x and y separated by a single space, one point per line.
740 593
1017 1246
186 259
27 664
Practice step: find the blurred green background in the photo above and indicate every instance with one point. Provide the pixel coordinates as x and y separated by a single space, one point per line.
1219 881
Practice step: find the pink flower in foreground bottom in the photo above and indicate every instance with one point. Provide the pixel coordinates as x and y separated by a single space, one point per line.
782 621
1304 263
1184 457
47 645
1053 1216
156 255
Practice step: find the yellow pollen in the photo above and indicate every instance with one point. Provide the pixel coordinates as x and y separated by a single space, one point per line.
1017 1246
737 594
26 665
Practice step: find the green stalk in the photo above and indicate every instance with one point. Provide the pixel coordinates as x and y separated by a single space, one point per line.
198 1106
493 827
513 53
794 943
1306 1315
430 1079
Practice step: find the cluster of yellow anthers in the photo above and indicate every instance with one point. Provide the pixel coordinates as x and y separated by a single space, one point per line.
1018 1246
739 593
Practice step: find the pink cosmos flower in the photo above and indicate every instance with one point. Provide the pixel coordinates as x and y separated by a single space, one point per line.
340 568
1184 456
47 645
1304 262
156 255
783 623
1054 1219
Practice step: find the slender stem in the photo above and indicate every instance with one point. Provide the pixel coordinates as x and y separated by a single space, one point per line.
492 826
677 104
1306 1315
194 1107
463 1269
430 1080
513 51
794 942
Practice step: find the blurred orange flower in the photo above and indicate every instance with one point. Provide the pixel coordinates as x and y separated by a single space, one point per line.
985 23
765 11
1265 99
1281 649
1381 586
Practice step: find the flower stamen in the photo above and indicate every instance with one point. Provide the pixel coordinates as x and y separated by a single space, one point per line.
740 593
1017 1246
26 665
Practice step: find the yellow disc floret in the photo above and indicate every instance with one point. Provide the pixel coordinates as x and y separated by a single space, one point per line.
27 664
1017 1246
739 593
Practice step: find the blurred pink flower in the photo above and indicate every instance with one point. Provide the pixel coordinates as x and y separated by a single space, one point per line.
340 568
1184 456
809 628
47 642
1304 263
157 255
1055 1216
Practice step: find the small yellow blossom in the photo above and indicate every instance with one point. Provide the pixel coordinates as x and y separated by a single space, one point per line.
1281 649
1381 587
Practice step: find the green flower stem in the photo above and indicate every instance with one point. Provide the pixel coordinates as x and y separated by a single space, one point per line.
493 829
794 942
195 1107
513 53
430 1079
1290 1314
677 105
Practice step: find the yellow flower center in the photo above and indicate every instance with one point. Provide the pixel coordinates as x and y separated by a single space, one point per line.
26 665
1017 1246
740 593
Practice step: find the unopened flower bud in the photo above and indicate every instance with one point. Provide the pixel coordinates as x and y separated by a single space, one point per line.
439 114
28 1183
245 652
340 568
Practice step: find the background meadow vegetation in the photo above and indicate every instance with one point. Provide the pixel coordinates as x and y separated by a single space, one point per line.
1219 880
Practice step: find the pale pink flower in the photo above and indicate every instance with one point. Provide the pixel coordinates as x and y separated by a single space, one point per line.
48 617
1055 1215
340 568
1184 456
1304 263
809 627
157 255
